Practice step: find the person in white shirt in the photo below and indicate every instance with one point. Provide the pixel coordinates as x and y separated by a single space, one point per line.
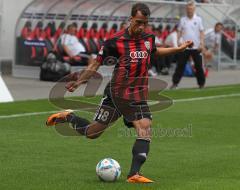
212 42
172 38
70 43
213 37
190 28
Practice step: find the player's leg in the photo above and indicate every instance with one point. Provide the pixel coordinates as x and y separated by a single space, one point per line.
197 58
182 59
138 116
140 150
81 125
105 115
84 127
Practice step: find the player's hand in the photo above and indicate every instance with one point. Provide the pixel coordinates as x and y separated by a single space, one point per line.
186 44
74 81
72 85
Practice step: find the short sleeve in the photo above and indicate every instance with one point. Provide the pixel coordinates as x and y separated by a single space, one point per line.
108 49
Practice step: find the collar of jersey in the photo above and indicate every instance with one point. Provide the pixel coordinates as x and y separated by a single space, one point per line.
194 16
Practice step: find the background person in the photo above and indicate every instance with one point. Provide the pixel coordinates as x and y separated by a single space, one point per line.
212 42
190 28
70 43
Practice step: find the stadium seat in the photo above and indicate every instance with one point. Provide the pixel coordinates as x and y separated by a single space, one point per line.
40 35
103 33
93 39
27 53
27 30
50 30
83 37
59 31
113 30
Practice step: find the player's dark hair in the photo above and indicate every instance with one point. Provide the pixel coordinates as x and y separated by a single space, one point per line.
219 24
143 8
75 24
71 26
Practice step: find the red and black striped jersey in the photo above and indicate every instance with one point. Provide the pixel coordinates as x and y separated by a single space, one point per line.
131 57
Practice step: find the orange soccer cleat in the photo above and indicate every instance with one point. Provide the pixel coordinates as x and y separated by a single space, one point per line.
56 118
138 179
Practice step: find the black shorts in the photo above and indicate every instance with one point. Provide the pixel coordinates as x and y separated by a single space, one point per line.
111 109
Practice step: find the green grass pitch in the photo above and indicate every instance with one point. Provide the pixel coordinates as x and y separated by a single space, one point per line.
33 157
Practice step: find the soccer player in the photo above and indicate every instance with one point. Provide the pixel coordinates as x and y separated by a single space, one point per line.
126 93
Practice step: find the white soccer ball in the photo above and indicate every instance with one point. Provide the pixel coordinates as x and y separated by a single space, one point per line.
108 170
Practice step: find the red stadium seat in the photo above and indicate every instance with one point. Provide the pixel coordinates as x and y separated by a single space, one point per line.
83 37
103 33
26 32
50 30
58 32
40 35
113 30
93 39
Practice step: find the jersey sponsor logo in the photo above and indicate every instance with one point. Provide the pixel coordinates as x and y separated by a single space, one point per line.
138 54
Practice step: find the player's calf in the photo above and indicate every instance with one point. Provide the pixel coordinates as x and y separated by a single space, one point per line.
81 125
141 146
85 128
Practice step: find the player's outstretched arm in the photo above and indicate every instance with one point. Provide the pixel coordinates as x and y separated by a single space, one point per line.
82 77
169 51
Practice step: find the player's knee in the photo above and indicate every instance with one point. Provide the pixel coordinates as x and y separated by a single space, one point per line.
143 124
95 130
143 128
146 124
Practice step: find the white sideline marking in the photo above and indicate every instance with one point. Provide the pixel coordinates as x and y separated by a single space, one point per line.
206 98
175 101
26 114
5 95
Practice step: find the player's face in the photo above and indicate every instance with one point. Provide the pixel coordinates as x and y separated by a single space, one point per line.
72 30
190 10
138 23
218 28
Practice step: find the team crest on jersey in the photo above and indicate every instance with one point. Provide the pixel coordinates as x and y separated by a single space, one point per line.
147 44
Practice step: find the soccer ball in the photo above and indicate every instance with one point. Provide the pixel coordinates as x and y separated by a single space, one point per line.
108 170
